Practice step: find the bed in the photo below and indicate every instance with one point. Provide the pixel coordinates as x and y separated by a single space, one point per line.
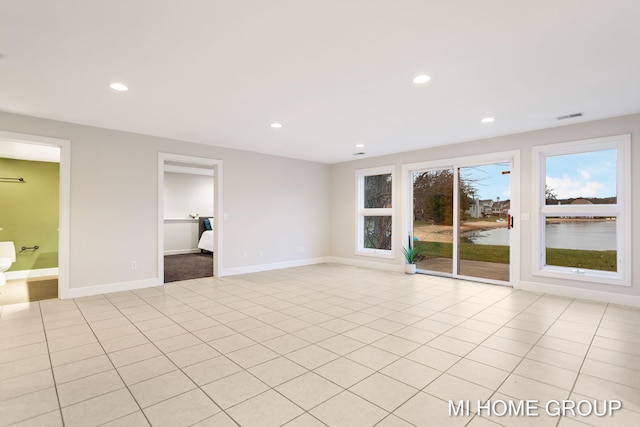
206 235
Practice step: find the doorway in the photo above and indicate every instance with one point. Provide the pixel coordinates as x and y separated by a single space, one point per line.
184 220
462 217
44 271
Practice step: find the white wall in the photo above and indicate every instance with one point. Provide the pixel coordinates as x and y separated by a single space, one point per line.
274 204
187 193
343 193
184 194
181 236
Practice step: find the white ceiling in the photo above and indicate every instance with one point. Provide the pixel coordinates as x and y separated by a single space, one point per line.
334 72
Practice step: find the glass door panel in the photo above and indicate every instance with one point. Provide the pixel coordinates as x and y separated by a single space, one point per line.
484 201
433 219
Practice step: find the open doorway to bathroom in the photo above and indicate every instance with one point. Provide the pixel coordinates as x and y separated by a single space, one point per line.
33 181
188 229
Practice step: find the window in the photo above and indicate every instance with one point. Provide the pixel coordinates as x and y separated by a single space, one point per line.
375 212
583 210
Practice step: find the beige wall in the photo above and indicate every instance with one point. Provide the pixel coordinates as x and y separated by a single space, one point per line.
274 204
343 191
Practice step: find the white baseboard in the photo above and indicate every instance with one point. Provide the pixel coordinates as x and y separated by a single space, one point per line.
588 294
274 266
29 274
112 287
398 268
182 251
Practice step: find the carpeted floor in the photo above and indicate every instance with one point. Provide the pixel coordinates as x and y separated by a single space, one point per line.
187 266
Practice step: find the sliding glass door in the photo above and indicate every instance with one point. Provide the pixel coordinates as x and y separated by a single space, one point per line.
461 221
433 219
485 221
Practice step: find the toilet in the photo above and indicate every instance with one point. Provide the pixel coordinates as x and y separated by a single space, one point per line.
7 257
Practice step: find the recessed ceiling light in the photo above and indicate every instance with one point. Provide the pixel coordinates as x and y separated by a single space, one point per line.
119 87
487 120
359 145
276 125
421 79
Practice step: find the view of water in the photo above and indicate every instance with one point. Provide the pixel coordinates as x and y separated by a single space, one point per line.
495 236
589 235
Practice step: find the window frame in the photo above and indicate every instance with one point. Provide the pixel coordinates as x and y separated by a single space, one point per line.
362 212
621 210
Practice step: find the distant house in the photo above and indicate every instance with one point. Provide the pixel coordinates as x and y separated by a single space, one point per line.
480 208
486 208
501 208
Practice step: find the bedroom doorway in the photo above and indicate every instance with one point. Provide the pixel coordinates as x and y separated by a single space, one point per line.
189 203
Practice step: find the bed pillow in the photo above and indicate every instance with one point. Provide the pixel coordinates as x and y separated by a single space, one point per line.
207 224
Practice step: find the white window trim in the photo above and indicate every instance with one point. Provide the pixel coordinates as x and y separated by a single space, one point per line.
622 209
361 212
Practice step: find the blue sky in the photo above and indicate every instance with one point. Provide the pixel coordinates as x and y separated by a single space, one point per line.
490 183
591 174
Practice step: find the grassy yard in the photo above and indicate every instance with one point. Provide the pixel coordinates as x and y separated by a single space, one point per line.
593 260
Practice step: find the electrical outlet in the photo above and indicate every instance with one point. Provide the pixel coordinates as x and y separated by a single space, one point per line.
245 254
524 217
260 252
134 265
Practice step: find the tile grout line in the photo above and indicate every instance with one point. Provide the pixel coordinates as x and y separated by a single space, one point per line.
422 390
584 358
162 352
112 365
276 292
53 376
532 347
242 369
284 355
366 344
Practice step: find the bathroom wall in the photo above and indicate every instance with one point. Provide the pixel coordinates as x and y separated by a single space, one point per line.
29 212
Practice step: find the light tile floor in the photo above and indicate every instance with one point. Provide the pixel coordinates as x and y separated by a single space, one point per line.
24 290
312 346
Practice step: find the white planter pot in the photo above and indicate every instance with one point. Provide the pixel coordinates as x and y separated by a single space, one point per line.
410 268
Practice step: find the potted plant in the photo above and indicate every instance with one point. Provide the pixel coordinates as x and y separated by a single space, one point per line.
411 255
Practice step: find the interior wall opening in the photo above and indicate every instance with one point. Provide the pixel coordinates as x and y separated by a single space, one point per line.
34 188
188 228
189 222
